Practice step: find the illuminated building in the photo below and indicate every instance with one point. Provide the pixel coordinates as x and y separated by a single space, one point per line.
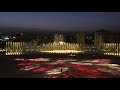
113 37
61 47
58 38
111 49
81 38
15 48
18 48
89 38
99 38
90 48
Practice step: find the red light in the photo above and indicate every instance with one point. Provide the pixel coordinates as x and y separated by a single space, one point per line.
20 59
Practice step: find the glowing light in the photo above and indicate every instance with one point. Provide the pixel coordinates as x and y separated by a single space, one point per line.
39 59
63 51
69 67
43 69
6 38
61 42
27 68
20 59
57 70
81 63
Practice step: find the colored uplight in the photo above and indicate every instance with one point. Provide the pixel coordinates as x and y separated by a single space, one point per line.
40 59
43 69
27 68
66 59
26 64
70 67
57 70
36 59
20 59
79 63
98 61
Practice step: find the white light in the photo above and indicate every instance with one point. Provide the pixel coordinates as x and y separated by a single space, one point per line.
57 70
63 51
6 38
14 37
61 42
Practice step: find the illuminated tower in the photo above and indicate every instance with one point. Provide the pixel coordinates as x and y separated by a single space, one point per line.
58 38
81 38
98 38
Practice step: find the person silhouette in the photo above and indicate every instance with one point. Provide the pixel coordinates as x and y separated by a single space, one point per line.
61 70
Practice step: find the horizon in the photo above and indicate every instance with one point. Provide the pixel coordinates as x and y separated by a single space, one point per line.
37 30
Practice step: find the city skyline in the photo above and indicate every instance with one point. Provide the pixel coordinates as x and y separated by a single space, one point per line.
60 21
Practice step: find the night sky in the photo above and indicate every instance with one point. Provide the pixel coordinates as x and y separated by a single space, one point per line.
67 21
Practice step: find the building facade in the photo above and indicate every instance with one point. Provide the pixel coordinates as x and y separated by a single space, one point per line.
81 38
59 38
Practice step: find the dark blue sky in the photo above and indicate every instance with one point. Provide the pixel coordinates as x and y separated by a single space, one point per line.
62 20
